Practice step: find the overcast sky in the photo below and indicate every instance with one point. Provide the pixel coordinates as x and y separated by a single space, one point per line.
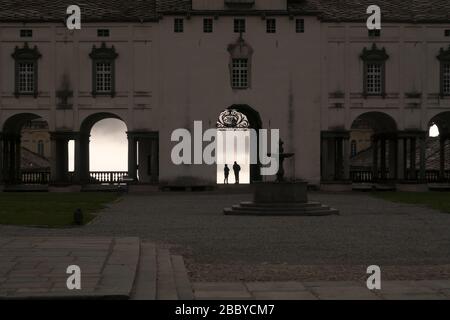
108 148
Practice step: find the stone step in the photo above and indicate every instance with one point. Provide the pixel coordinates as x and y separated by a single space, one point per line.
145 282
323 211
166 288
280 205
183 284
119 271
283 209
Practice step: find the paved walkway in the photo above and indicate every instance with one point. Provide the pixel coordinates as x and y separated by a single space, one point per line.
126 268
408 242
36 267
323 290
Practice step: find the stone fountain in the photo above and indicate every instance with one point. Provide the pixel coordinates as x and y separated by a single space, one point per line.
281 198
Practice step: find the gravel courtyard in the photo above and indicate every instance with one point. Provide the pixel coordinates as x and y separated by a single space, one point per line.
408 242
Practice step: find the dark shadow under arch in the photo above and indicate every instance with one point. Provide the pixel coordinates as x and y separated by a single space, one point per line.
380 122
15 123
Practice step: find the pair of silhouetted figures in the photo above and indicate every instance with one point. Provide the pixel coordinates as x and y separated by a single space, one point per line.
236 170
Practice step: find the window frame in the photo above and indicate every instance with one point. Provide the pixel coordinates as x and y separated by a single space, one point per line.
271 25
208 22
178 25
240 50
444 60
239 71
103 33
103 55
239 25
26 55
26 33
374 56
374 33
299 25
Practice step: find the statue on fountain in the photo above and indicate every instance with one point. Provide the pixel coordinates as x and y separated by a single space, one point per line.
282 156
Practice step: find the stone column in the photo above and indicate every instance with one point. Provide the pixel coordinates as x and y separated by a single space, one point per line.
18 160
132 157
422 164
324 159
12 160
59 162
383 158
401 165
442 141
346 161
82 173
393 173
375 158
412 158
154 159
339 159
1 159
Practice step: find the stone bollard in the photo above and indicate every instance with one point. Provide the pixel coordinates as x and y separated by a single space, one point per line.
78 217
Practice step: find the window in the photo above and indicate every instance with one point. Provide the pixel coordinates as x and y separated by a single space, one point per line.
40 148
300 25
446 79
103 77
373 86
271 25
447 33
103 33
239 25
207 25
26 74
374 71
178 25
353 148
103 70
239 73
375 33
444 58
26 33
26 70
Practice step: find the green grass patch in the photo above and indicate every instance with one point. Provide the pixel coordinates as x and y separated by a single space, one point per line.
50 209
436 200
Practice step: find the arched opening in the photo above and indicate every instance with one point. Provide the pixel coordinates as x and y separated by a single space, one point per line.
102 149
438 148
234 139
373 155
26 150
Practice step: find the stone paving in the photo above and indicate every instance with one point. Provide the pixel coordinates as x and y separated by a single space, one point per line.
408 242
323 290
127 268
36 267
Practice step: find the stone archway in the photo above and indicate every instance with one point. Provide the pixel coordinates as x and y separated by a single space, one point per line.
36 170
242 117
438 149
83 153
375 135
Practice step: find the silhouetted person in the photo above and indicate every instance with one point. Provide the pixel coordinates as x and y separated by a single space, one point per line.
226 172
236 169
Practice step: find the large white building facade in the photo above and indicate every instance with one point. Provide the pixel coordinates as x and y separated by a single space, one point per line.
309 68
